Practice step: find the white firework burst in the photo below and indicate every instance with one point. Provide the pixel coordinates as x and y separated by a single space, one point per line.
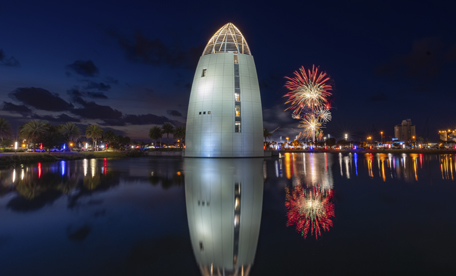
325 115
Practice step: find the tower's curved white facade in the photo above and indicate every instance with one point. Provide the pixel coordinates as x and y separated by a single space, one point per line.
224 199
224 113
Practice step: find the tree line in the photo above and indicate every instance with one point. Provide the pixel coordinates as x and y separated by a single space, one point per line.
37 131
40 131
156 133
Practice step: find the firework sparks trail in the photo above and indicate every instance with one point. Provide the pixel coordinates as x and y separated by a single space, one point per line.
309 209
311 125
308 89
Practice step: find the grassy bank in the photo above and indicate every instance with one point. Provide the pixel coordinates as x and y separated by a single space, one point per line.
12 160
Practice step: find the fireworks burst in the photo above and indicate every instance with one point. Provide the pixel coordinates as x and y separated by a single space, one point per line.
308 89
324 115
309 209
311 125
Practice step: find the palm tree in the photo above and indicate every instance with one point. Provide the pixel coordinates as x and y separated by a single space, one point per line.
179 132
109 136
34 129
167 128
70 132
155 133
5 129
94 132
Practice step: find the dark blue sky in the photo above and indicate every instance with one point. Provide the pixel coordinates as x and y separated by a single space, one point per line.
128 66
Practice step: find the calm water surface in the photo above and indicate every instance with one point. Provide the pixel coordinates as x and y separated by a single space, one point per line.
303 214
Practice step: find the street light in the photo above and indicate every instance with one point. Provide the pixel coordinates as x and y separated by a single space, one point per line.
381 136
15 147
346 138
287 141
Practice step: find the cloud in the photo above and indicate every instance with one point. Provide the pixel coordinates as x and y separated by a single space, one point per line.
142 119
8 61
111 80
146 119
21 109
92 110
40 99
98 85
153 51
96 95
62 118
74 93
379 97
84 68
174 113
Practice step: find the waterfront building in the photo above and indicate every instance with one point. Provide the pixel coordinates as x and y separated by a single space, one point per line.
224 113
405 131
448 135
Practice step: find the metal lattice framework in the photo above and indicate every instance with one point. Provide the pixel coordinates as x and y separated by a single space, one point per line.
227 39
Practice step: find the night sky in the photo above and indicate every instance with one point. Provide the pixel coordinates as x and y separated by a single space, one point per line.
129 66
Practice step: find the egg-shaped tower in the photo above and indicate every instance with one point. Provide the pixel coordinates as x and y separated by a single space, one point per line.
224 113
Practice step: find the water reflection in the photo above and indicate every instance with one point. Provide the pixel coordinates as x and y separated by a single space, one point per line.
447 165
310 209
317 168
38 185
224 200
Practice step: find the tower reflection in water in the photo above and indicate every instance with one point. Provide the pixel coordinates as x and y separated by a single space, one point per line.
224 198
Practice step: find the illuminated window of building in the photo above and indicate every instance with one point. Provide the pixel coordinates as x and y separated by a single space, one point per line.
237 110
237 126
204 73
236 59
208 112
236 220
237 97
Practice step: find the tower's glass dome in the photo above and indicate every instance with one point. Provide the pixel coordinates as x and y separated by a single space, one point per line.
227 39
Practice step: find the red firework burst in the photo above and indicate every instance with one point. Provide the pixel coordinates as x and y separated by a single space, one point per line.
308 89
309 209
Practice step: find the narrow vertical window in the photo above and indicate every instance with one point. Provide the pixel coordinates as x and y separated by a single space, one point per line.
236 59
237 110
204 73
237 126
237 97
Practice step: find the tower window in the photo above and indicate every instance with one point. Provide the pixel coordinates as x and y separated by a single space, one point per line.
237 110
236 59
204 73
237 98
208 112
204 113
237 126
200 113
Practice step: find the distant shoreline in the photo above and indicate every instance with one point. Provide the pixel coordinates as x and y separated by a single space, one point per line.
422 151
11 159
